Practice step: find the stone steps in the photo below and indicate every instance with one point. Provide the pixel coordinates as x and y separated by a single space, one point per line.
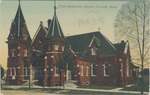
70 84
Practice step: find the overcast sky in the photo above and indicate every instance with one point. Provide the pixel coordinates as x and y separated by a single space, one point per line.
75 17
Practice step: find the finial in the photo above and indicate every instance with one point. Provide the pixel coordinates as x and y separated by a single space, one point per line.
19 2
55 7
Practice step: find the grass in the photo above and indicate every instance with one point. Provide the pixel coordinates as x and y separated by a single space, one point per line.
137 88
74 92
56 91
97 87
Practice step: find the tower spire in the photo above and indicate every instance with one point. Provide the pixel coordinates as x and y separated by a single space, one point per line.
55 7
19 2
19 20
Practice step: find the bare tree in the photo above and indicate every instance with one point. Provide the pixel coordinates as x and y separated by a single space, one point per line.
132 23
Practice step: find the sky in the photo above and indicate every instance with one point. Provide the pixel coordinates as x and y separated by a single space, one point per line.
75 17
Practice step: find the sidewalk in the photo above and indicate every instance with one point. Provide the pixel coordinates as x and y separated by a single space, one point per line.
116 90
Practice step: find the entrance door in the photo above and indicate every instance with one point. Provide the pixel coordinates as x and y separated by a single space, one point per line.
69 77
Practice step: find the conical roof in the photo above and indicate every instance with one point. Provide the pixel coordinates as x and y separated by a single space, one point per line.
54 29
55 32
18 27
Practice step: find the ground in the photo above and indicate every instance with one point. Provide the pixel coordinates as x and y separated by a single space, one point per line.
90 90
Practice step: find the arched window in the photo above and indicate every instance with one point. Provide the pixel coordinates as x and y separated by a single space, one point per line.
56 47
87 70
56 69
93 69
106 68
10 71
93 51
13 52
25 71
25 52
82 70
127 71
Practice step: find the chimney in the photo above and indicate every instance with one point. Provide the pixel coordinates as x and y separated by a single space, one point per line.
122 41
49 22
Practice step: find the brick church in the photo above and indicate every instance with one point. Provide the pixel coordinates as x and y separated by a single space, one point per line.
51 59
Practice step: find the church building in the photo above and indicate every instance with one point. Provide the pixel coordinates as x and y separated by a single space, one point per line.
52 59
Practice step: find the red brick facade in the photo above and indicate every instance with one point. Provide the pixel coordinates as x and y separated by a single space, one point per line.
51 58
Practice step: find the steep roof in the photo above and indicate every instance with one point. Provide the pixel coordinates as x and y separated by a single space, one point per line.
18 26
54 29
42 29
80 43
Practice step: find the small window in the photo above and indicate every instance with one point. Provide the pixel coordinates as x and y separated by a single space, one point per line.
82 70
63 48
56 47
106 69
13 52
93 51
56 70
87 71
93 69
25 52
48 71
10 71
127 71
25 71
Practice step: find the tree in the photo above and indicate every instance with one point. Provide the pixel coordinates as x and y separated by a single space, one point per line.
132 23
63 61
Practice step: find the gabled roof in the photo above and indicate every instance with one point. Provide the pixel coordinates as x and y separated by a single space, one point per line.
80 43
42 28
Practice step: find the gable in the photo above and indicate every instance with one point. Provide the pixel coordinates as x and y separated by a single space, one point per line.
38 40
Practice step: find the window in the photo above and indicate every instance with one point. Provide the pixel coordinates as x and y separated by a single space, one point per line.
93 51
25 52
127 71
56 47
13 52
82 70
87 71
10 71
48 71
93 69
62 48
25 71
56 71
106 69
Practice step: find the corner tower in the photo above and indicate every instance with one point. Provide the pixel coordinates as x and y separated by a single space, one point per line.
54 46
19 42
